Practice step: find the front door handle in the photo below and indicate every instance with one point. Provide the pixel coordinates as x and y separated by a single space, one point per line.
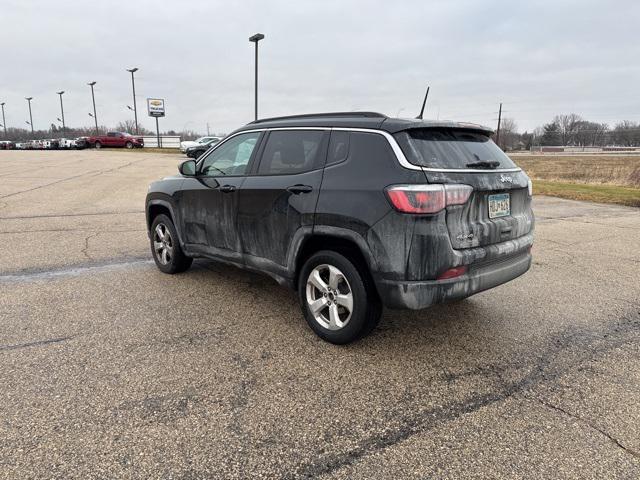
227 188
297 189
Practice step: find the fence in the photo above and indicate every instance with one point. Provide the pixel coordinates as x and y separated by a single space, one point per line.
166 141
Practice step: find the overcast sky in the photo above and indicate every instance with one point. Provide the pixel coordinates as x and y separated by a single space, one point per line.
538 57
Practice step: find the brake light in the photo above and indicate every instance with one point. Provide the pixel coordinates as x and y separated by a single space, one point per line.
427 198
453 272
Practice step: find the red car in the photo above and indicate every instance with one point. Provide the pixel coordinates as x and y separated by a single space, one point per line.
114 140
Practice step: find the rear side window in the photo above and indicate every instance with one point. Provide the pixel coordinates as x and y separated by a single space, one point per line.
448 148
291 151
338 147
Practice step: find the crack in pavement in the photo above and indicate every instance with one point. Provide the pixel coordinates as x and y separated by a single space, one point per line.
39 343
60 215
588 423
92 173
71 230
76 270
545 368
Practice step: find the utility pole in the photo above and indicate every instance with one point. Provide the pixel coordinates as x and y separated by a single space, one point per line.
255 39
62 111
499 120
28 99
93 98
208 129
133 84
4 122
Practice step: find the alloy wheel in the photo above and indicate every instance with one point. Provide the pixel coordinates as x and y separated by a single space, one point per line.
163 244
329 297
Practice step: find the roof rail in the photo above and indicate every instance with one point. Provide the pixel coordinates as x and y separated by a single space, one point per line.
324 115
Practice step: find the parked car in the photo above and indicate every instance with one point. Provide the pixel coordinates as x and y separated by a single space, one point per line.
352 210
115 140
81 143
202 140
7 145
197 150
66 143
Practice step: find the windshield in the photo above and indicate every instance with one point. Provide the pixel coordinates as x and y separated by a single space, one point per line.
449 148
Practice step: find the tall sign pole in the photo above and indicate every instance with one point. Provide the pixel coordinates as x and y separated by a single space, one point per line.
499 121
62 112
93 99
4 122
155 108
133 84
28 99
255 39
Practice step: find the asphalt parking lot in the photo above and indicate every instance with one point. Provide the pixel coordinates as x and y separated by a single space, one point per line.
111 369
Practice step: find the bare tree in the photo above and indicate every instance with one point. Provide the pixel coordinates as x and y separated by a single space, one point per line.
567 127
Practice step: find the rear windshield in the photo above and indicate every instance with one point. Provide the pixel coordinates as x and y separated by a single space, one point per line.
447 148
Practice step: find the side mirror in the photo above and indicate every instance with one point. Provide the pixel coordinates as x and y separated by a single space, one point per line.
188 168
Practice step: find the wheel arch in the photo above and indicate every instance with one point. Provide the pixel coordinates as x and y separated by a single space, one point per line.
159 206
343 241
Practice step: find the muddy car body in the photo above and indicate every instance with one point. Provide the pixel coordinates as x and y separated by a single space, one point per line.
354 211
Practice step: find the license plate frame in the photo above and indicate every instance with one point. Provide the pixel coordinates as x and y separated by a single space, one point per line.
499 205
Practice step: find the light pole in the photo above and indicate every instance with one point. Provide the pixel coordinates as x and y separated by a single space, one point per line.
133 84
61 92
93 98
28 99
4 122
255 39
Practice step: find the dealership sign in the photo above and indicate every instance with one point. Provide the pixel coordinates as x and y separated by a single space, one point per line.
155 107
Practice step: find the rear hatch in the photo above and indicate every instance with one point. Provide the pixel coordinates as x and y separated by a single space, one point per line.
499 208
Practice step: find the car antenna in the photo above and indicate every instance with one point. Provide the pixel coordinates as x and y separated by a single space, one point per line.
424 103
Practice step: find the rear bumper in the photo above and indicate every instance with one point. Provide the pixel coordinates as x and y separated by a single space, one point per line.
421 294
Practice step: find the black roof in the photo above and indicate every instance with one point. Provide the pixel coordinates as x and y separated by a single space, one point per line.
372 120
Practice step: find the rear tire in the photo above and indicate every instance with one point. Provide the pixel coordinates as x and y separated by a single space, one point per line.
98 145
338 298
165 247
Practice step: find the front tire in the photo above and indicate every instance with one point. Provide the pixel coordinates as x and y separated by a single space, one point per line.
129 145
338 298
98 145
165 247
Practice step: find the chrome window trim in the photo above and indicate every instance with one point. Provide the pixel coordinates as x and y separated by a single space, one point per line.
402 160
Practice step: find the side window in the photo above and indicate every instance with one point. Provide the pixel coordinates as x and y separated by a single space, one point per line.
291 151
338 147
232 157
111 134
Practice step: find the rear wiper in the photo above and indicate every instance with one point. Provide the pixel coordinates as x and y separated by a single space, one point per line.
484 164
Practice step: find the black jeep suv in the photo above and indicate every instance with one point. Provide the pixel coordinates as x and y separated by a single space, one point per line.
352 210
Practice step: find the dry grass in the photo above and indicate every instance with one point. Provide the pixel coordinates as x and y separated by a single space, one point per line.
592 193
622 170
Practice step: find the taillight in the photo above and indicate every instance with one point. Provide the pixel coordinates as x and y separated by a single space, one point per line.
427 198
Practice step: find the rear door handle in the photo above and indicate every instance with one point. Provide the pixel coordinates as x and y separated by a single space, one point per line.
297 189
227 188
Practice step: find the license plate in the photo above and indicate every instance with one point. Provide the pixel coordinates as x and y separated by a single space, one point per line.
499 205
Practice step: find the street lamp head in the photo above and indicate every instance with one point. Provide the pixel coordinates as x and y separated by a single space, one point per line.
129 107
91 83
60 92
132 70
2 104
27 122
59 119
91 114
256 38
28 99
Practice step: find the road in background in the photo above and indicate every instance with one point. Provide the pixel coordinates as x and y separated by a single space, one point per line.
111 369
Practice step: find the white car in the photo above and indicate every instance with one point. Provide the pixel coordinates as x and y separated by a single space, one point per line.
66 143
190 143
